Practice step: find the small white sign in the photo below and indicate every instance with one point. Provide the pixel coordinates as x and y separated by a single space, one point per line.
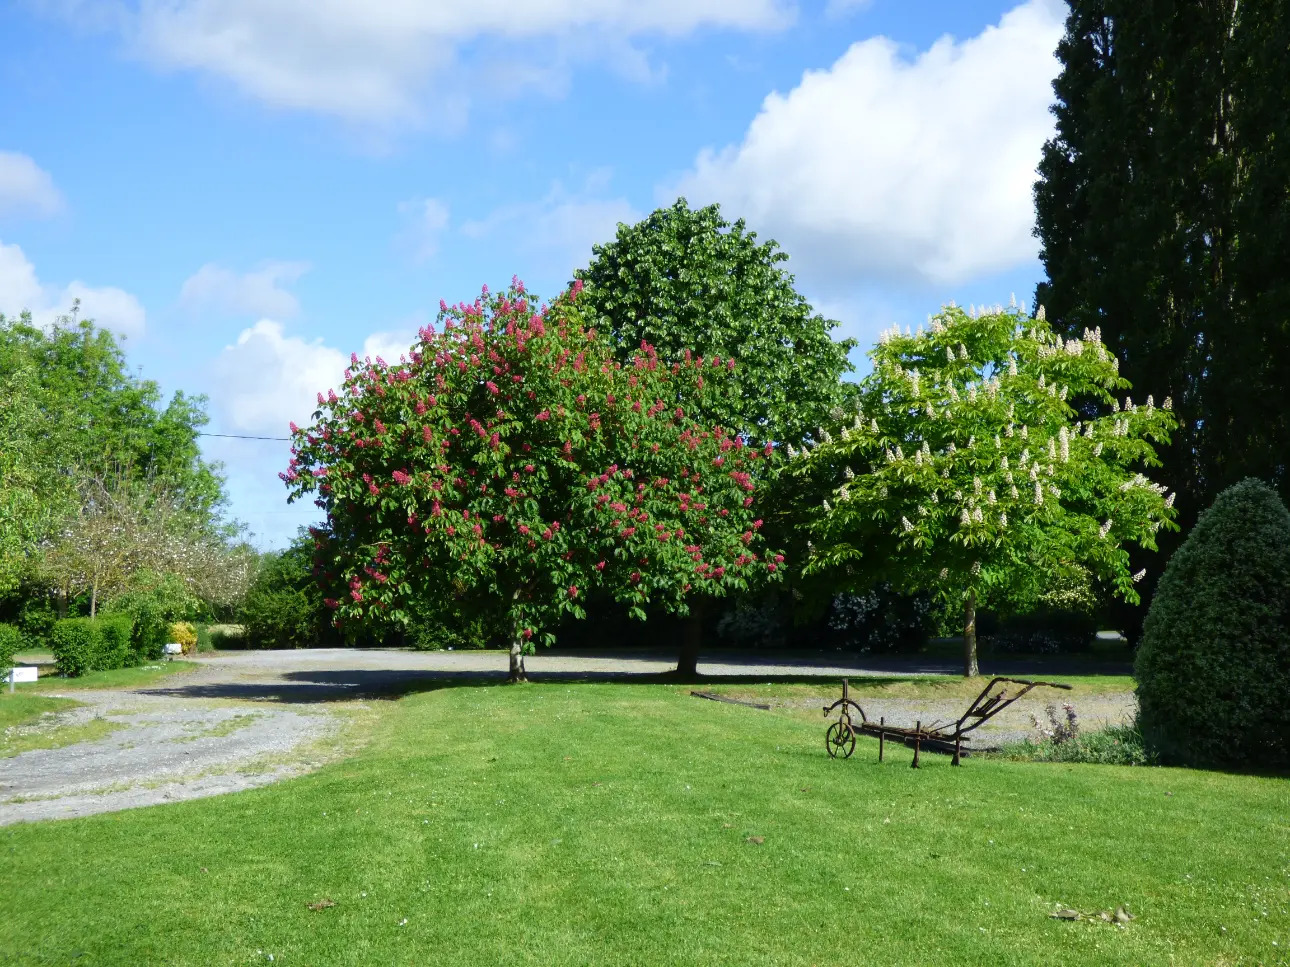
174 648
25 674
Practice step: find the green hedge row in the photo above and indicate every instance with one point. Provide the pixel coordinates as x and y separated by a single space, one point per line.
10 643
83 645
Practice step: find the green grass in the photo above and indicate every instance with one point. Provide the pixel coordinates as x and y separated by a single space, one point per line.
609 824
30 722
140 677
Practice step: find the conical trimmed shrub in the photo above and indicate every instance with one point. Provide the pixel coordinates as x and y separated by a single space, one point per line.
1213 668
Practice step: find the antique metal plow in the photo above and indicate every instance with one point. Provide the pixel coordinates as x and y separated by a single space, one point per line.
946 737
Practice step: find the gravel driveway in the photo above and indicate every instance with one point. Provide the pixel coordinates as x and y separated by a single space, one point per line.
245 720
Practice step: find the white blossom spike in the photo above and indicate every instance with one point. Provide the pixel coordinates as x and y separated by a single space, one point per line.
964 518
827 508
904 523
1168 404
963 354
849 473
1097 450
1012 365
1169 501
1039 493
949 354
992 498
1042 383
1140 575
1003 520
1104 529
1040 314
976 514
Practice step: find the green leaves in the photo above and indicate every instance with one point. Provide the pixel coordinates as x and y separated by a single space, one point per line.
686 279
533 468
967 465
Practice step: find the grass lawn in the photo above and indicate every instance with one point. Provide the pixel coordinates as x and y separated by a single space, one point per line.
139 677
29 721
614 824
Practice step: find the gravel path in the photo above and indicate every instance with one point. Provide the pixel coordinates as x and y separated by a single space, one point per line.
245 720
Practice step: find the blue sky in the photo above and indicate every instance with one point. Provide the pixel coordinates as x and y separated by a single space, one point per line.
249 190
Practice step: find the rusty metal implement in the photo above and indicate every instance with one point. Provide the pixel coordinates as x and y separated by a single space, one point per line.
949 737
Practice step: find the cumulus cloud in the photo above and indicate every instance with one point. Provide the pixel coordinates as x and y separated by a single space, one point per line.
888 169
268 378
21 289
392 60
26 188
555 233
259 293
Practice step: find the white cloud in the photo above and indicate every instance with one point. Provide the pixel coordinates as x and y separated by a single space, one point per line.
556 233
20 289
395 60
258 293
886 169
427 220
268 378
26 188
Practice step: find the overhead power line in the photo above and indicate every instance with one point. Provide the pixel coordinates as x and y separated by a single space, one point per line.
238 436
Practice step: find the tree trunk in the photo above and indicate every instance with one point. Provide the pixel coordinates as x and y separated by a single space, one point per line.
687 665
62 602
94 598
970 669
517 659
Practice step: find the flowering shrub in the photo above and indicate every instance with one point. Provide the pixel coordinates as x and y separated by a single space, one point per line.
969 471
508 465
880 620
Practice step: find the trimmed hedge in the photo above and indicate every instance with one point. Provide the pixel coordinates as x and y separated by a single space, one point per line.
114 642
76 643
1213 667
10 644
151 632
83 645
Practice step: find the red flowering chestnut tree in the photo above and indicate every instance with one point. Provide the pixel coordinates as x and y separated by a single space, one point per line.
509 465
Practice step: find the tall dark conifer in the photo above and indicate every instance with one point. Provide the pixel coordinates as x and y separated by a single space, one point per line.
1163 212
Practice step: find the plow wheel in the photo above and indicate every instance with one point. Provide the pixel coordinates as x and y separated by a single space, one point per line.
840 740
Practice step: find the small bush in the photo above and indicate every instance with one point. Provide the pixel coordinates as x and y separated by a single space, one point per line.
151 632
185 635
1118 745
1213 667
881 620
10 644
754 624
1042 633
115 650
36 622
77 644
203 634
226 637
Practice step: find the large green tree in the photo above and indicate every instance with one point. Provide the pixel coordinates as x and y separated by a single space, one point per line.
968 472
1164 219
75 415
686 279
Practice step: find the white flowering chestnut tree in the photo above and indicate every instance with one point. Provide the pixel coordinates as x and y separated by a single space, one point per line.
511 464
988 457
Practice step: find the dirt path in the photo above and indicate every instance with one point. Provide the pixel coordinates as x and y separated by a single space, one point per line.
245 720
